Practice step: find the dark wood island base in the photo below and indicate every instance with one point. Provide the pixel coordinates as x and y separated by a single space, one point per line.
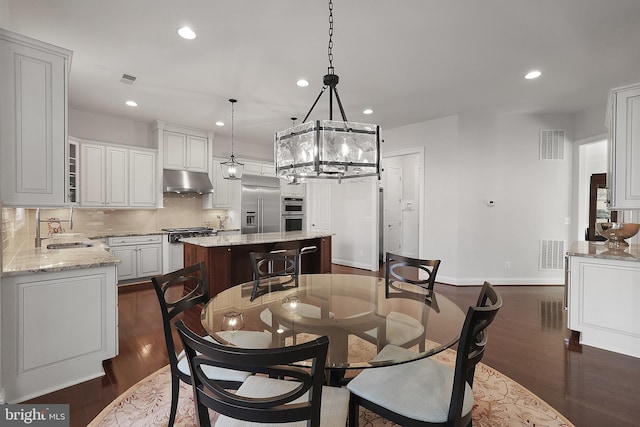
226 258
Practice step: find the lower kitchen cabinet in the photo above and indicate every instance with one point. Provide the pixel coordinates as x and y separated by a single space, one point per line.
140 256
59 327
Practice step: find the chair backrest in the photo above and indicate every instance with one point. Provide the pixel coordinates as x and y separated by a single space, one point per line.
177 292
277 264
405 269
272 362
473 341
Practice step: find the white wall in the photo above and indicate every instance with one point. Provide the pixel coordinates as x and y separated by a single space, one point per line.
100 127
473 158
354 220
440 141
5 16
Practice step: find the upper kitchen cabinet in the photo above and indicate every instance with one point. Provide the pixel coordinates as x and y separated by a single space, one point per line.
183 148
33 121
291 190
116 176
624 157
223 189
258 168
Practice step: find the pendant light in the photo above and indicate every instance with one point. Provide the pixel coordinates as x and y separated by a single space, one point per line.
232 169
328 149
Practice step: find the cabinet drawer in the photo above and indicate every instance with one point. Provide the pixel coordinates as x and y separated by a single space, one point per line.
135 240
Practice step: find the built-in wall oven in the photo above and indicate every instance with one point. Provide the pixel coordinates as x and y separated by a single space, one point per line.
293 214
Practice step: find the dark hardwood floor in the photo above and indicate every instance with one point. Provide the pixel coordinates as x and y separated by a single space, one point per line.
590 387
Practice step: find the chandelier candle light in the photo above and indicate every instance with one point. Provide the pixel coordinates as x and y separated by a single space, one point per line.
328 149
232 169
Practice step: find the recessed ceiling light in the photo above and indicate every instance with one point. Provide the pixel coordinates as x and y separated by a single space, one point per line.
187 33
534 74
367 111
131 103
302 83
219 123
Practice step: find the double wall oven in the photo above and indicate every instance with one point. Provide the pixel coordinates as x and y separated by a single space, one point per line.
293 214
173 249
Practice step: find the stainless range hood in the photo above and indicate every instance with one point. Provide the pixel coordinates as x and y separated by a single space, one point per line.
181 181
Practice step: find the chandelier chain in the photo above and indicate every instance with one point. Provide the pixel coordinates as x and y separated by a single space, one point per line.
330 48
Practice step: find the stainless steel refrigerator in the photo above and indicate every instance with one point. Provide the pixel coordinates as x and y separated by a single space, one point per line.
260 204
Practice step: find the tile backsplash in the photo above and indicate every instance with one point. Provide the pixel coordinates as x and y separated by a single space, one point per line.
180 210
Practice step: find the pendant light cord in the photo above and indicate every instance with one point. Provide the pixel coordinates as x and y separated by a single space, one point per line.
232 101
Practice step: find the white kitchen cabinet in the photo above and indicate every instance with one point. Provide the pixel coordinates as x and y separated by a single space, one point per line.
603 302
185 152
142 178
103 175
624 157
140 256
61 325
33 121
292 190
116 176
222 188
259 168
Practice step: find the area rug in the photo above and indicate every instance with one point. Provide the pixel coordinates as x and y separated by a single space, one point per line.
499 402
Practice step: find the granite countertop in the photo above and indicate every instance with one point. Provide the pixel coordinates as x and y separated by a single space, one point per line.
34 260
254 239
601 250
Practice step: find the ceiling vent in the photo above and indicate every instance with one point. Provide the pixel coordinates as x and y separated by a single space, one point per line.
128 79
551 144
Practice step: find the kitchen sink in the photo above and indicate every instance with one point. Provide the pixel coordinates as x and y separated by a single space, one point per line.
69 245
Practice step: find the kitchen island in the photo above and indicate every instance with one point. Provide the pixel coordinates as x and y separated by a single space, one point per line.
604 296
227 257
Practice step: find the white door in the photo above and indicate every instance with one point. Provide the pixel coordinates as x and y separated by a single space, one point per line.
92 175
393 209
117 176
142 178
174 150
318 207
197 154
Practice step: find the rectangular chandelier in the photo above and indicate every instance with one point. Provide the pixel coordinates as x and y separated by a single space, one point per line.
328 149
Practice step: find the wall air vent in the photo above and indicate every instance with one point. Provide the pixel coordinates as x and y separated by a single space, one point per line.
551 254
128 79
551 144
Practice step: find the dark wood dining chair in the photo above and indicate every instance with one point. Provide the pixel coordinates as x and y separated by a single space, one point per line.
408 270
274 270
429 392
177 293
278 393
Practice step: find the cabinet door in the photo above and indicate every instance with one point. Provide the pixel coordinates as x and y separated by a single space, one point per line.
221 187
269 169
176 256
197 154
149 260
33 131
127 256
175 148
142 178
92 175
252 168
626 150
117 176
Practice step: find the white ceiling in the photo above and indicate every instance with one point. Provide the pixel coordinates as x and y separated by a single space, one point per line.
408 60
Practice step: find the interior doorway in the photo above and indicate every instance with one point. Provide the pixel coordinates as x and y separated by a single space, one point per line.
598 209
402 220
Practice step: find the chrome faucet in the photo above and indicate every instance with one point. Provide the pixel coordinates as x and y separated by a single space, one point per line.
38 221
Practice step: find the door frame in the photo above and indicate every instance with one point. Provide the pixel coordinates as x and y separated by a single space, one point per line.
421 189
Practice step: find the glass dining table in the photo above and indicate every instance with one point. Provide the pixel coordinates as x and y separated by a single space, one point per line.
351 310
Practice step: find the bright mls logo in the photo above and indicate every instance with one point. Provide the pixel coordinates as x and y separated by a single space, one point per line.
34 415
